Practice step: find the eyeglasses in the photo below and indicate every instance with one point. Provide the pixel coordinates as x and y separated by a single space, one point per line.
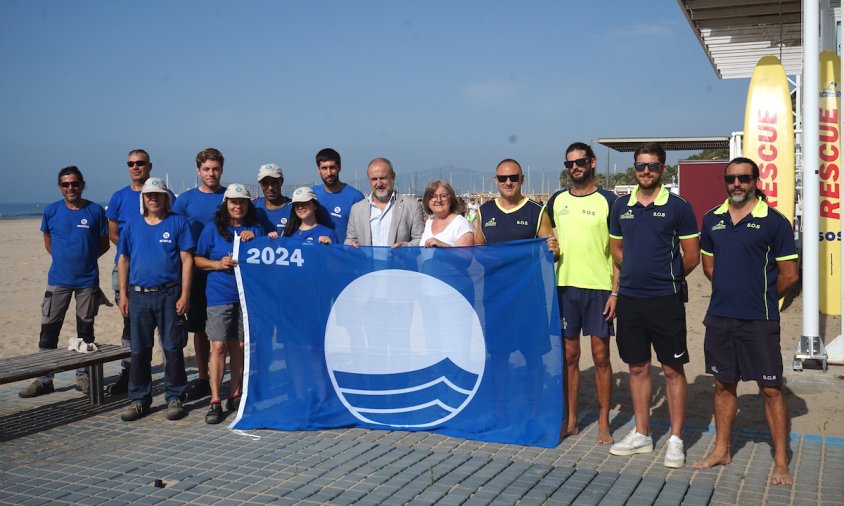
580 162
139 163
68 184
743 178
652 166
514 178
441 196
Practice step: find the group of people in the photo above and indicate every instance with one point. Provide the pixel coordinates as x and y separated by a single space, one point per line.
622 259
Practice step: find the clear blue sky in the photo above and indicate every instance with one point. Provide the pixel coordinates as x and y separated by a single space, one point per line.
425 84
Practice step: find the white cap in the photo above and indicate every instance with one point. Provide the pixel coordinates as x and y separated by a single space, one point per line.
237 191
303 194
269 170
154 185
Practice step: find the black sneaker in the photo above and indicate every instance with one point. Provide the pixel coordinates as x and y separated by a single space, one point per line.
214 414
175 410
121 386
37 388
233 403
201 388
134 411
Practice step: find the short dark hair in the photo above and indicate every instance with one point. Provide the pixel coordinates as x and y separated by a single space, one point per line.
581 146
328 155
454 205
139 152
650 148
71 170
209 154
754 167
511 161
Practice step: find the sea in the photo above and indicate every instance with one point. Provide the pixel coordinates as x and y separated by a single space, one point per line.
23 211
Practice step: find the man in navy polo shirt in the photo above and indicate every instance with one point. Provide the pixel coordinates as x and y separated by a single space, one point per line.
75 235
155 268
750 256
335 197
198 205
647 232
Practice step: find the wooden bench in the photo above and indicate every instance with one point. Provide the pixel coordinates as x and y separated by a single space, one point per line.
52 361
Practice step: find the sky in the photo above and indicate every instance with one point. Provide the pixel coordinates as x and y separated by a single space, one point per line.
425 84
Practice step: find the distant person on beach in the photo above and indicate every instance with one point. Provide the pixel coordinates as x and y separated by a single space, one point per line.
385 218
305 223
236 217
750 256
75 234
199 205
273 208
446 227
336 198
124 206
587 283
648 231
155 270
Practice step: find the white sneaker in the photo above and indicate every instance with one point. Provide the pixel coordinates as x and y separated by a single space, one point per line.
632 444
674 455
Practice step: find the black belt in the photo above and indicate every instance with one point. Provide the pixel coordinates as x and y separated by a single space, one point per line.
151 289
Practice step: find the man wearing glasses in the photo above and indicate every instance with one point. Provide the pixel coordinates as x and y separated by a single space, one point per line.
75 235
745 239
123 207
586 280
648 231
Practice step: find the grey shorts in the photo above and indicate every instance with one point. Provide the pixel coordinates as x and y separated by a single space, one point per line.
225 323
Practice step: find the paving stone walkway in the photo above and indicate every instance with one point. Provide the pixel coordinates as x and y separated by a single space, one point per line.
59 449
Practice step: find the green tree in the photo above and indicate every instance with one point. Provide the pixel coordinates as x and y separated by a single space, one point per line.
712 154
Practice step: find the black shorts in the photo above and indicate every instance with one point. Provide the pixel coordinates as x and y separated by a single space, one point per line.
197 314
659 322
743 350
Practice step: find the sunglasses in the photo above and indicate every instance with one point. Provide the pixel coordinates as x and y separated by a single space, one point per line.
139 163
743 178
580 162
652 166
68 184
514 178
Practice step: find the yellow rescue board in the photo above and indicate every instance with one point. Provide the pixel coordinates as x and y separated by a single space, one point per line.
829 174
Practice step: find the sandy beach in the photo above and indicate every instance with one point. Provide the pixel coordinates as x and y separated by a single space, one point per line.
815 399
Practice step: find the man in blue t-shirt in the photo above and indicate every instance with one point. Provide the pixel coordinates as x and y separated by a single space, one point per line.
647 232
155 270
123 206
273 208
750 256
335 197
75 235
198 205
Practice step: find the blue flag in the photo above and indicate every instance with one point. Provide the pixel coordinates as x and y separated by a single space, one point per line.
459 341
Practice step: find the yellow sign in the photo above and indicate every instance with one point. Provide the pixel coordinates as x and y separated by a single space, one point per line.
829 173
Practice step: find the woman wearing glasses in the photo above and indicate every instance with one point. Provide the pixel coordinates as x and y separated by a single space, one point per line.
447 227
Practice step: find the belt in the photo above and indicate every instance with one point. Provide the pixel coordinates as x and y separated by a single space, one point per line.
151 289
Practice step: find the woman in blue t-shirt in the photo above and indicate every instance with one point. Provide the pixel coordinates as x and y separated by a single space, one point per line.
305 223
235 217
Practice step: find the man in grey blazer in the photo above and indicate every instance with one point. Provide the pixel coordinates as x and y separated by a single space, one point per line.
385 218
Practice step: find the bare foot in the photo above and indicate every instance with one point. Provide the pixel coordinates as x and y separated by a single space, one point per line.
568 432
780 475
604 436
718 457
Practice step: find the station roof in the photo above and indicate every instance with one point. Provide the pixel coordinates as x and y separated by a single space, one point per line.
629 144
734 34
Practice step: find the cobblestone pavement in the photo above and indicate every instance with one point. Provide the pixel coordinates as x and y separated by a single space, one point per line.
58 449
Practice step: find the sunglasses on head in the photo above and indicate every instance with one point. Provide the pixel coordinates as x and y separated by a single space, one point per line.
512 177
580 162
743 178
139 163
69 184
652 166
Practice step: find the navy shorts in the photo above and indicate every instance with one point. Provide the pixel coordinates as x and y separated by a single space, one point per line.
743 350
198 303
582 310
644 322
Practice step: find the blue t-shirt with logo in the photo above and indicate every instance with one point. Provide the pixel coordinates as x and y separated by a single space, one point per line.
652 265
154 250
274 220
199 208
222 285
124 205
337 206
314 234
75 236
744 279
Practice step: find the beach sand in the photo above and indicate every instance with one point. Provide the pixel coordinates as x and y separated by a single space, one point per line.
815 399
